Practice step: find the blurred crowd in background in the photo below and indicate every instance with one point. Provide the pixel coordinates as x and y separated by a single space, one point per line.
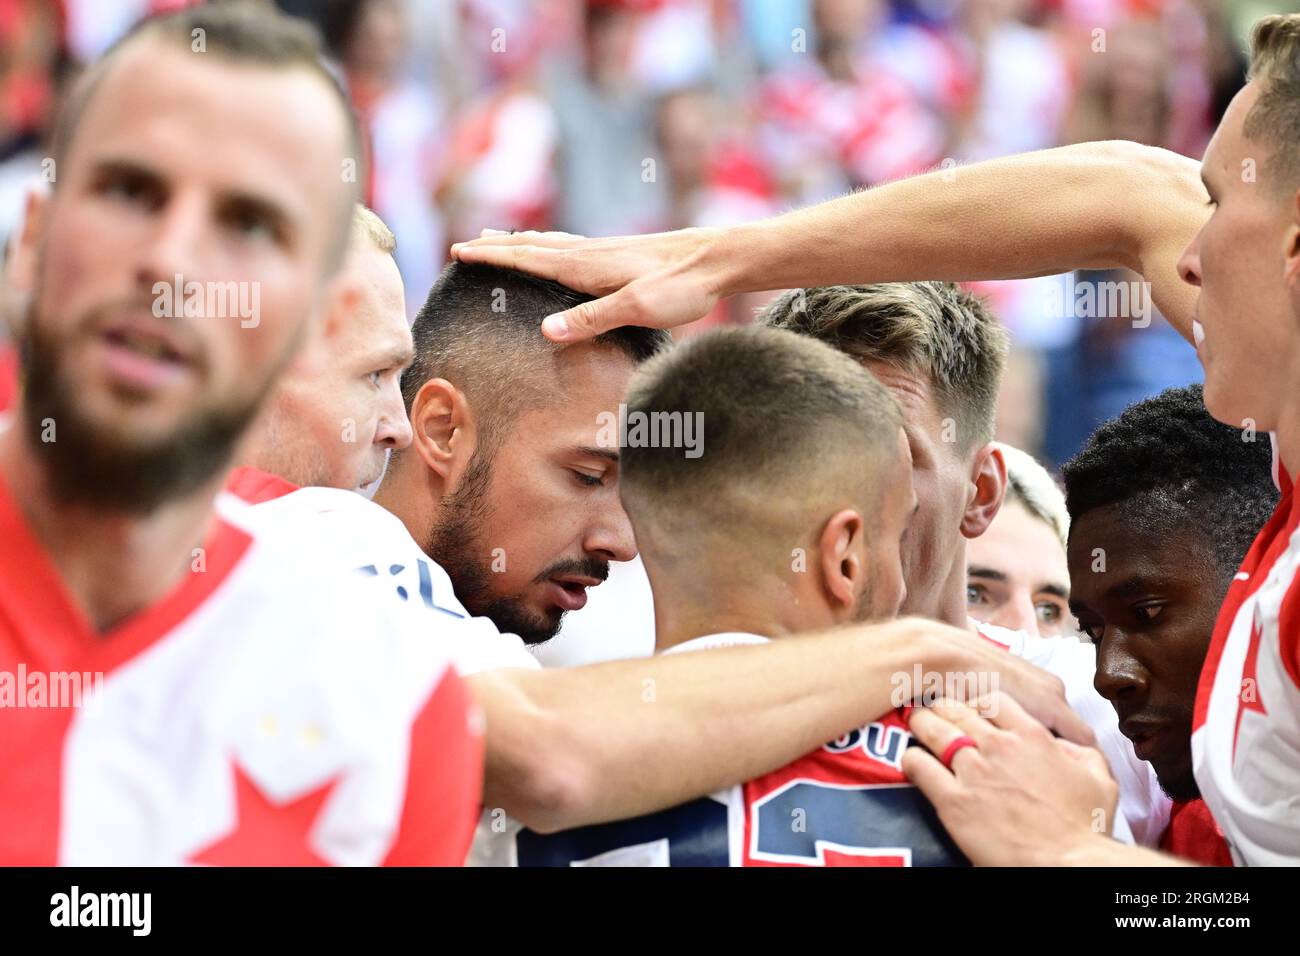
606 117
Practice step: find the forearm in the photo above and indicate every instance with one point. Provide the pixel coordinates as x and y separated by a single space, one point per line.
1088 206
630 737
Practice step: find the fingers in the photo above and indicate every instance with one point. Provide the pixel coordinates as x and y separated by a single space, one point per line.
939 725
590 319
930 776
493 238
536 260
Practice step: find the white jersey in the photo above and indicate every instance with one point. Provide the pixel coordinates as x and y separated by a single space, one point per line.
1143 807
262 713
355 534
1246 726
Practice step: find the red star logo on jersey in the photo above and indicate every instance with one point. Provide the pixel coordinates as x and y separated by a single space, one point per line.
266 834
1248 697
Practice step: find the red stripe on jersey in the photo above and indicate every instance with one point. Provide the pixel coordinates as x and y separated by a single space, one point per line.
445 782
1271 541
255 486
1193 835
8 377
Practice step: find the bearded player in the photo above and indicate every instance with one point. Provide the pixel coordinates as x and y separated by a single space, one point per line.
249 708
784 419
1221 252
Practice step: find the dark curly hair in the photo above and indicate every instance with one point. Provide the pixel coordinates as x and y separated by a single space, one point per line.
1166 462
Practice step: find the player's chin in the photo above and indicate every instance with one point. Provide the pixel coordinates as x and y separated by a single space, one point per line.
1174 771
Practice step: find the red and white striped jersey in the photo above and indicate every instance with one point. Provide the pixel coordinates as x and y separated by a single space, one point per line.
264 712
1246 727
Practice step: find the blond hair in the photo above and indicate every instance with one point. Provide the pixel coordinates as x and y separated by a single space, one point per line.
1275 117
1030 485
934 330
366 224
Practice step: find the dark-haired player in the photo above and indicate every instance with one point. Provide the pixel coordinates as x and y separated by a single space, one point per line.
783 418
510 488
1222 253
1164 502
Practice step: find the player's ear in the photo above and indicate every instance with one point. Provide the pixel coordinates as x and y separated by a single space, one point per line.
1291 249
20 269
988 485
443 430
843 560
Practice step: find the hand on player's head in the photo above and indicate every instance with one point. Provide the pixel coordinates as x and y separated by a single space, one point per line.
649 281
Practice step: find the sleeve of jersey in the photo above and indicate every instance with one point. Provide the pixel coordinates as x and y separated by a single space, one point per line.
1143 807
445 780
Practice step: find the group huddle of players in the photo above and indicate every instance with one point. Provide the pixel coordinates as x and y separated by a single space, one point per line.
304 553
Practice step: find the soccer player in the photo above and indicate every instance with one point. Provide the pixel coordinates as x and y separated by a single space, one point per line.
176 686
1222 256
941 352
511 480
337 412
1164 502
786 419
1016 574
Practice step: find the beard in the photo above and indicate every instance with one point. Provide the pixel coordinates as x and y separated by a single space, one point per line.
92 466
458 538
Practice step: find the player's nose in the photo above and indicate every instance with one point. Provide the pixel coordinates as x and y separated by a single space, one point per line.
1019 614
394 427
610 536
174 245
1119 675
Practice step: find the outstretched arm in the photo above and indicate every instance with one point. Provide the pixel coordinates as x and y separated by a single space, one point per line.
1087 206
580 745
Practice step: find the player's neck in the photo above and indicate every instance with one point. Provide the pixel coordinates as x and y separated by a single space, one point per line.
949 602
690 613
113 565
671 630
406 494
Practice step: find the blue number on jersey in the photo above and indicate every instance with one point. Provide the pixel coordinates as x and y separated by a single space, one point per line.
851 817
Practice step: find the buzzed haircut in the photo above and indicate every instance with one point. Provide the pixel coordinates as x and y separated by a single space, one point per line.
481 329
240 31
1173 469
790 431
934 330
1275 117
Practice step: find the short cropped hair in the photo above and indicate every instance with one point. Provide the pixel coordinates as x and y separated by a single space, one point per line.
1166 462
1275 117
934 330
789 431
481 329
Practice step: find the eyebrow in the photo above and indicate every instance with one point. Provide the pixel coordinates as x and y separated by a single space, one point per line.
239 199
398 357
594 452
979 571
